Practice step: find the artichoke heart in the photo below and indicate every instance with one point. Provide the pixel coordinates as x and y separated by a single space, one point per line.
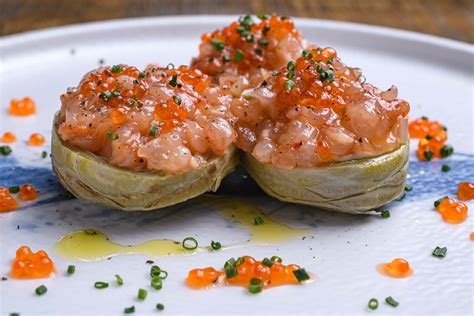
92 178
354 186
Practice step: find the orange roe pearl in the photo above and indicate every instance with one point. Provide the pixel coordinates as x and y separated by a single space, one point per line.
8 137
36 139
29 265
397 268
22 107
27 193
452 212
465 191
471 236
203 278
7 202
422 127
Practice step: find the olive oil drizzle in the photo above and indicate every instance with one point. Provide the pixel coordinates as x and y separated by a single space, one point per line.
93 245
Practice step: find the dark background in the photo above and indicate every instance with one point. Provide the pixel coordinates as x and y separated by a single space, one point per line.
448 18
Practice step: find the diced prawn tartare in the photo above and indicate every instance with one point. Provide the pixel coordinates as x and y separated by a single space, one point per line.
318 110
161 119
245 53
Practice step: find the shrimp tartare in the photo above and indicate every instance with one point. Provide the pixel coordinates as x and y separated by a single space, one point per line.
245 53
163 122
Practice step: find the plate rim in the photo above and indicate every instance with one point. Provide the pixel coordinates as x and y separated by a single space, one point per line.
374 30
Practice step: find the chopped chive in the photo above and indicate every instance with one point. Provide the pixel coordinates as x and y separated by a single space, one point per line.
330 61
373 303
263 42
226 58
160 307
265 30
259 51
267 262
142 75
238 55
291 75
155 271
301 274
276 73
217 45
40 290
44 154
230 272
71 269
119 279
239 261
174 81
385 214
106 95
401 197
329 76
163 274
112 136
440 252
249 38
187 240
262 16
101 285
5 150
142 294
424 118
291 66
156 283
116 93
408 187
307 54
14 314
116 68
129 310
246 21
428 154
277 259
153 130
170 66
242 31
258 220
445 168
428 137
446 151
177 99
438 201
229 263
391 301
255 286
14 189
290 84
215 245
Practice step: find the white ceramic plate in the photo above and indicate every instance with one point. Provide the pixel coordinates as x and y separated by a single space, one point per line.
435 75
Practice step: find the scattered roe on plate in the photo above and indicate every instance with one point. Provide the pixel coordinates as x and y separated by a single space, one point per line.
397 268
29 265
248 272
465 191
432 137
22 107
36 139
471 236
27 193
451 211
7 202
8 137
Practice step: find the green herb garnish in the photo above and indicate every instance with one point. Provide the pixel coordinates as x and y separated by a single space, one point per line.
215 245
5 150
189 243
446 151
153 130
238 55
263 42
291 66
438 201
267 262
101 285
217 45
44 154
258 220
71 269
129 310
445 168
112 136
174 81
277 259
160 307
14 189
142 294
385 214
40 290
119 280
440 252
290 84
177 99
116 69
307 54
391 301
231 272
255 286
156 283
373 303
408 187
301 274
142 75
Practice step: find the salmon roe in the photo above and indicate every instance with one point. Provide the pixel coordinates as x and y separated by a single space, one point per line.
471 236
22 107
27 193
36 139
422 127
29 265
432 137
397 268
8 137
241 272
465 191
451 211
7 202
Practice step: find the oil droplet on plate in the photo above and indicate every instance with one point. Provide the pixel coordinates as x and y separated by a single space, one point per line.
92 245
